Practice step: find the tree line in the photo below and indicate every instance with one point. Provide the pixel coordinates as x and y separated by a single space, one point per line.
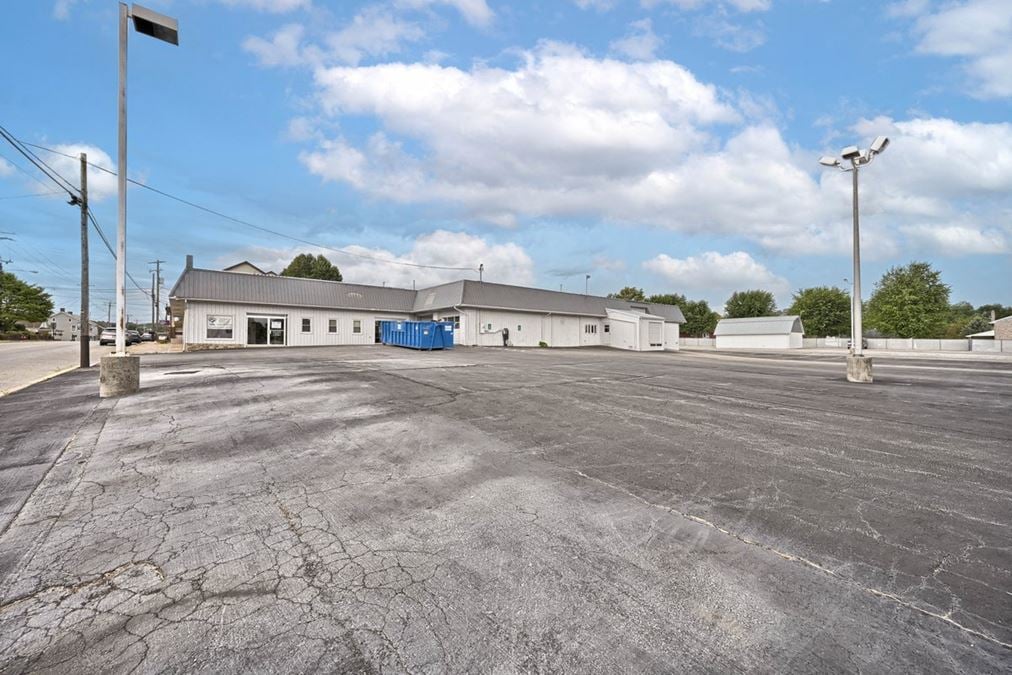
910 301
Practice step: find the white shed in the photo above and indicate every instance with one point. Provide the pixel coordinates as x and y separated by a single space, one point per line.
634 330
763 332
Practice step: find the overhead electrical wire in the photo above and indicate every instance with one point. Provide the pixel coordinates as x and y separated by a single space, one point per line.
260 227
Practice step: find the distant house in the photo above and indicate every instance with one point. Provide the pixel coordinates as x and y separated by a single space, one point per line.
246 267
66 326
764 332
1003 328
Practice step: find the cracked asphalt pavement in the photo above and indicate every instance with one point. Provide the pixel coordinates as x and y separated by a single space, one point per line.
371 509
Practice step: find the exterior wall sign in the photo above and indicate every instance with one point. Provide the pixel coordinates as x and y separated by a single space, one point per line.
219 327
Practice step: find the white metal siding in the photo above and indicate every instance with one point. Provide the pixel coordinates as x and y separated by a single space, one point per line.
195 324
671 336
755 341
624 334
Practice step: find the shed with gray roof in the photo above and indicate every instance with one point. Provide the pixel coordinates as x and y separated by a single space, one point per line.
763 332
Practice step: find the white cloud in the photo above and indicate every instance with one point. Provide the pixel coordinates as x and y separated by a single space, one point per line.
740 5
101 185
730 33
504 263
639 43
957 239
717 274
373 32
6 168
272 6
979 31
284 48
475 12
61 9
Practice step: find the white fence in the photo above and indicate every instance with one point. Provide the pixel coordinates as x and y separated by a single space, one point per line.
891 344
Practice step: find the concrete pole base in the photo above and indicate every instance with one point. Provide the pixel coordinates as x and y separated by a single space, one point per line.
859 368
119 375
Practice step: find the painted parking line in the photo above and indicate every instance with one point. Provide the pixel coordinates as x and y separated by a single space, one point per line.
835 364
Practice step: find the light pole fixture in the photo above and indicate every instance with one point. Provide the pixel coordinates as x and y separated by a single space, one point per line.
120 372
853 158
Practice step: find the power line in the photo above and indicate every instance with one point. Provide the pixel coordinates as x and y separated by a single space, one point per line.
33 194
259 227
51 173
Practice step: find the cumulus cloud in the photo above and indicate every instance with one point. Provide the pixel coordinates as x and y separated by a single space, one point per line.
639 43
475 12
716 273
284 48
505 263
740 5
957 239
271 6
977 31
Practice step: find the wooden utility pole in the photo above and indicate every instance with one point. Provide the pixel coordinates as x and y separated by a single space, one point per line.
84 335
156 295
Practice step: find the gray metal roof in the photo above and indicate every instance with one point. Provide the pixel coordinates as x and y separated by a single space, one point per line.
761 325
488 295
215 286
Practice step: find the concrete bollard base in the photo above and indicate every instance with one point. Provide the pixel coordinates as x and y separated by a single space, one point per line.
119 375
859 369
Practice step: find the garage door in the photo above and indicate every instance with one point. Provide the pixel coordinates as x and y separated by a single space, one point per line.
656 330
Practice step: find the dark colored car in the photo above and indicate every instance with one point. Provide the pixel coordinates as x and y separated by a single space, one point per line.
864 343
133 337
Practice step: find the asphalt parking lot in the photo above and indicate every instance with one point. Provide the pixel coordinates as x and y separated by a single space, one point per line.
376 509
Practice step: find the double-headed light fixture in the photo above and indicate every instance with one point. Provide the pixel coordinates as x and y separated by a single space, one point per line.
853 158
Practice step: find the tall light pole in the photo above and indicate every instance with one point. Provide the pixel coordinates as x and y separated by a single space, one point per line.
858 365
120 373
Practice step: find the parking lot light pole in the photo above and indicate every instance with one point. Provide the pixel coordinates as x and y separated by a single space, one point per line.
858 365
120 373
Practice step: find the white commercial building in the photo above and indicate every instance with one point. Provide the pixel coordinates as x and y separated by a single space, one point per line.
764 332
219 309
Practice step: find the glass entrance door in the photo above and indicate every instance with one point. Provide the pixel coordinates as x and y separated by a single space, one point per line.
265 330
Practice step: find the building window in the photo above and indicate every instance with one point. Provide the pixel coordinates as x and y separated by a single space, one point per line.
332 326
356 326
488 326
307 325
219 327
591 329
454 319
518 328
607 328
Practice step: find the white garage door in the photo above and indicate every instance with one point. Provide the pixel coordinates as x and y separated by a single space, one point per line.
656 329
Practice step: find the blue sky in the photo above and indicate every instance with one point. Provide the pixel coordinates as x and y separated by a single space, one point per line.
667 144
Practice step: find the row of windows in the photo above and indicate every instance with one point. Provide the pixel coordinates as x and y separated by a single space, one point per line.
220 327
307 326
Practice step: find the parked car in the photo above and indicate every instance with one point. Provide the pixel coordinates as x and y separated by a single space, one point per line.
108 337
864 343
148 336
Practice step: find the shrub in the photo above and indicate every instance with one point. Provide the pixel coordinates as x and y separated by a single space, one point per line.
542 344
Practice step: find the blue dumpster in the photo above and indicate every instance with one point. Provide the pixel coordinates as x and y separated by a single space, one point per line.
417 334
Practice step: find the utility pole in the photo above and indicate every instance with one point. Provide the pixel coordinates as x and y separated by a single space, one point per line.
156 294
481 272
85 335
108 312
154 303
586 285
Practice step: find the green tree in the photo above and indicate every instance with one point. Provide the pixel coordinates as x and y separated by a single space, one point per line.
745 304
629 293
823 310
308 266
668 299
1000 311
700 320
977 324
21 302
909 302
